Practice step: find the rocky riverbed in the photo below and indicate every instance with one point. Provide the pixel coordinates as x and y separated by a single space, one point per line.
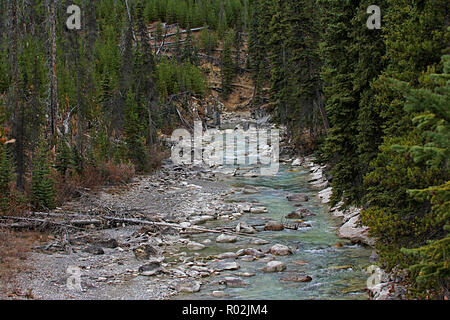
129 261
194 232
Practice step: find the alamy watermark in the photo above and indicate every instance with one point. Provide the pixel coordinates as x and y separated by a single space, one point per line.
74 20
374 21
254 147
74 280
374 278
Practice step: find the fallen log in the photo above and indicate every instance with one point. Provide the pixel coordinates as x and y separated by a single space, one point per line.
183 31
35 223
237 85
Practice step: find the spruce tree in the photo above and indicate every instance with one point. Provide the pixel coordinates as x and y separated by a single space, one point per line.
399 218
227 64
340 58
189 52
63 158
6 176
431 271
134 139
261 12
42 184
426 250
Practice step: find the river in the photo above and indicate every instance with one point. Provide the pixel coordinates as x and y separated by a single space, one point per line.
335 265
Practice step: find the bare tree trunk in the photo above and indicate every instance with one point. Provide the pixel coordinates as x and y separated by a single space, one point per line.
221 13
320 103
18 112
238 50
245 15
53 103
130 19
319 98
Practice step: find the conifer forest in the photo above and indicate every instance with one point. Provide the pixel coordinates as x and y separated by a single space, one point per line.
92 93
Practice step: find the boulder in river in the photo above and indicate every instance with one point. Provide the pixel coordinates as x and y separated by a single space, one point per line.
227 265
267 258
297 279
303 225
188 286
195 246
219 294
250 190
259 242
300 197
274 226
227 255
245 228
294 215
248 258
258 210
280 250
224 238
274 266
251 252
234 282
304 212
245 274
297 162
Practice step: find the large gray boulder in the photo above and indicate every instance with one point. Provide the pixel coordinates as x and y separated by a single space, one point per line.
224 238
188 286
250 190
350 230
274 226
280 250
274 266
298 197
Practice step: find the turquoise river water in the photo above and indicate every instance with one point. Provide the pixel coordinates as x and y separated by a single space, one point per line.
337 272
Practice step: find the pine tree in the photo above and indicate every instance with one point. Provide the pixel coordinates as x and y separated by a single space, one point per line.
135 142
63 158
6 172
189 53
371 49
145 76
279 57
340 57
177 48
406 194
428 262
42 189
227 66
261 12
209 40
